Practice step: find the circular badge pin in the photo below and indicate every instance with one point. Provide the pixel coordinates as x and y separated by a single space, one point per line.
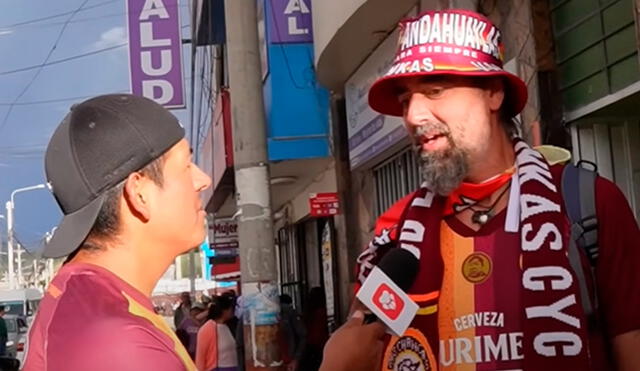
410 352
477 267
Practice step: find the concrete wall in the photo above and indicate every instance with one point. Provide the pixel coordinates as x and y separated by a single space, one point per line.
346 31
328 17
514 18
323 182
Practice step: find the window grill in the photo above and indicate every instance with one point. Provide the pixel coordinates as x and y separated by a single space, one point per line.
396 178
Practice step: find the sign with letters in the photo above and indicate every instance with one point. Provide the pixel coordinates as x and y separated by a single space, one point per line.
291 21
155 51
324 204
225 234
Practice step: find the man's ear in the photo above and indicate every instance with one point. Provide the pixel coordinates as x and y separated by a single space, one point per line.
495 88
135 188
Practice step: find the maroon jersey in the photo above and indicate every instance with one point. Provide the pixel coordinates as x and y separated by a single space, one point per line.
90 319
480 304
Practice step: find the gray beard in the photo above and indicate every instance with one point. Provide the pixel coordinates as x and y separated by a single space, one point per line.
443 171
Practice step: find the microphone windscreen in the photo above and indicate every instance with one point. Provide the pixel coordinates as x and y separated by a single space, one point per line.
401 266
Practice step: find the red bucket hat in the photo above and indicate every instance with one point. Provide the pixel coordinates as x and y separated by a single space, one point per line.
448 42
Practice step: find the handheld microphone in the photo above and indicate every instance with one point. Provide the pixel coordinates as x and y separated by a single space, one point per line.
384 290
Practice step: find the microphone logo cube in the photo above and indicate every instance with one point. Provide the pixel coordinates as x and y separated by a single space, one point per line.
388 301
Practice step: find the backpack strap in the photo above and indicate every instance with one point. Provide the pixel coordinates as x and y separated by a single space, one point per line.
578 192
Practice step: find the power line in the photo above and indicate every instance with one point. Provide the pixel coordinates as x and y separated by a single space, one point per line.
81 20
73 12
57 61
35 76
53 100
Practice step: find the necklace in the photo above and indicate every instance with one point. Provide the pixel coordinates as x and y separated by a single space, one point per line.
481 217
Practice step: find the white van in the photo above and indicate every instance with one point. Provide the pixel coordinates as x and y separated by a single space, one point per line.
21 302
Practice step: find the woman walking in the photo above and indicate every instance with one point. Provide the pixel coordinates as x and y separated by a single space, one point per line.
216 347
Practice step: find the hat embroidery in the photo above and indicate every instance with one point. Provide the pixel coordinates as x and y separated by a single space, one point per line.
453 29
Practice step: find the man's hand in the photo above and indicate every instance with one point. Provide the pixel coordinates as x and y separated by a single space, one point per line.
292 366
625 350
355 346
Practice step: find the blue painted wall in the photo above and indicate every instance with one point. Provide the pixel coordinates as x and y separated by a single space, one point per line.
297 107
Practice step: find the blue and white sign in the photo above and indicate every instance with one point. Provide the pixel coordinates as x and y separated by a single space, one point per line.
370 133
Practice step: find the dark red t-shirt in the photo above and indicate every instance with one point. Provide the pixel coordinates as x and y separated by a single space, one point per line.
89 319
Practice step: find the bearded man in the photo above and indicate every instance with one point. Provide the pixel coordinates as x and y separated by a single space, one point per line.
495 287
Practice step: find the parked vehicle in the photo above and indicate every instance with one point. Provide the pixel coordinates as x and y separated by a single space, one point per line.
21 302
16 334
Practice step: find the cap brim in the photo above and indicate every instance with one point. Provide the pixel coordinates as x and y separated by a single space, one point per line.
73 229
383 95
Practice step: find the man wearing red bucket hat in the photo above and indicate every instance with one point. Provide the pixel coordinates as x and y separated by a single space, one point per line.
499 287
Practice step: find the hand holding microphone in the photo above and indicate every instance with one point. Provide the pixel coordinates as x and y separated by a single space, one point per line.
357 345
384 291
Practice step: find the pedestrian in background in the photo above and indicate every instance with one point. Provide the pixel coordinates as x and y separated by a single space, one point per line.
292 334
182 311
188 330
4 335
216 347
316 324
232 322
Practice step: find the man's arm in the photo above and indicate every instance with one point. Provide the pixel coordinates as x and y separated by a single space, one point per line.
617 274
626 350
355 346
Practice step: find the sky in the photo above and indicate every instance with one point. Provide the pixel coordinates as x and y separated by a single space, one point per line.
26 41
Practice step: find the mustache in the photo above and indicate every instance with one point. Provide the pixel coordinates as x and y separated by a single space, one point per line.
430 128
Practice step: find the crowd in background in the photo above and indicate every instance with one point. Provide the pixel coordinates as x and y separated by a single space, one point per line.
211 330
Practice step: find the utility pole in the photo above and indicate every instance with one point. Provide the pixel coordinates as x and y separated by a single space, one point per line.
35 272
3 217
255 224
10 273
49 267
10 206
192 272
19 256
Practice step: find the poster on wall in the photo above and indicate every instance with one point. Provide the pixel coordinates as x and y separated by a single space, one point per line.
327 274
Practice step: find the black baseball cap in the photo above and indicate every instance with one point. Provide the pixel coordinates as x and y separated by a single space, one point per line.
97 145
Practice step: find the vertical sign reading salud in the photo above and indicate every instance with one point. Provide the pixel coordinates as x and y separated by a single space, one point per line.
155 51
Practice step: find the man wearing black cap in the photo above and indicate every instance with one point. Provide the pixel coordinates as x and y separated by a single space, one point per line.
121 171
